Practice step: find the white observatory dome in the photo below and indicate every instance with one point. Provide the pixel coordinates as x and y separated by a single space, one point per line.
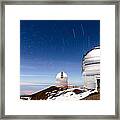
62 80
92 55
91 68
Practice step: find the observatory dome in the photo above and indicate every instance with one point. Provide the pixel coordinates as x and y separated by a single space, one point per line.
62 80
91 68
94 54
61 75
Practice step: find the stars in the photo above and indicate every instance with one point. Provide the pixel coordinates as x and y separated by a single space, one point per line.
82 30
73 31
55 41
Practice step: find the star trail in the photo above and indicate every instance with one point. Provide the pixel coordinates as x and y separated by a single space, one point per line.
50 46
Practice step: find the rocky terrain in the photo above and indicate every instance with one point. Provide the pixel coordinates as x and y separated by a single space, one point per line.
57 93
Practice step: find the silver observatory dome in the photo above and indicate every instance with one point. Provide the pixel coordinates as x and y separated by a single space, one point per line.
62 80
91 68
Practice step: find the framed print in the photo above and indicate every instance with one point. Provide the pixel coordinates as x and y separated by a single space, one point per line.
59 60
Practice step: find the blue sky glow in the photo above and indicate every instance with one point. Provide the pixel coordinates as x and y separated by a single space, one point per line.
51 46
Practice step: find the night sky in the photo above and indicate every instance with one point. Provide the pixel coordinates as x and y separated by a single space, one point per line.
51 46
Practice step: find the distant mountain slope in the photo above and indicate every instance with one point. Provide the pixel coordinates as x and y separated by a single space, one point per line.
57 93
44 94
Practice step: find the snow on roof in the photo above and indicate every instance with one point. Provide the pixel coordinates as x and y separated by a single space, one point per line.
93 53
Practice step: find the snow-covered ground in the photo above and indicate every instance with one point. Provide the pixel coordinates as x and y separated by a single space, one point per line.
70 95
56 94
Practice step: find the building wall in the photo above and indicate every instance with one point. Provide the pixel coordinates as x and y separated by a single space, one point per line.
91 69
62 80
